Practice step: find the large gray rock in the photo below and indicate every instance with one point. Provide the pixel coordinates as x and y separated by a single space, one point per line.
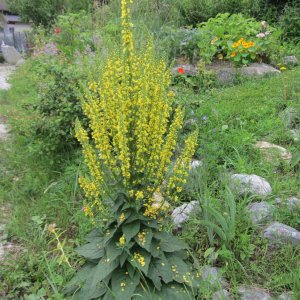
250 184
10 54
291 60
282 234
252 293
20 62
260 212
293 202
286 296
189 70
221 295
256 70
3 131
212 277
228 74
182 213
272 151
295 134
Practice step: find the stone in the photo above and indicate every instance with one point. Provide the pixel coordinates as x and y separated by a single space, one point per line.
295 134
221 295
286 296
196 163
290 117
212 276
252 293
250 184
3 131
272 151
257 70
189 70
10 54
290 60
226 75
260 212
293 202
181 214
20 62
282 234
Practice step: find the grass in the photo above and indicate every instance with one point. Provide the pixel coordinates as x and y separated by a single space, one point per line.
231 120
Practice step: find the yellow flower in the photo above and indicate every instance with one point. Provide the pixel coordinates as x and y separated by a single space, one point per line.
233 54
139 258
122 240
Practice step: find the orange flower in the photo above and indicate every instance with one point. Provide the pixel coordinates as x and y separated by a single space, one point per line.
181 70
57 31
233 54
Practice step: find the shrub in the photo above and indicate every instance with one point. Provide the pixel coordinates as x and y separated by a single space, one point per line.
290 23
196 11
236 38
133 139
58 104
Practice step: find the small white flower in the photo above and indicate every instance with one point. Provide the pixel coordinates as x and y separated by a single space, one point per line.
260 35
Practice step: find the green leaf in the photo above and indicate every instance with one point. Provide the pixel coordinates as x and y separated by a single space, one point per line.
91 251
175 292
169 243
80 277
123 286
112 250
160 269
95 234
131 230
151 223
146 241
104 268
179 267
146 257
123 258
155 249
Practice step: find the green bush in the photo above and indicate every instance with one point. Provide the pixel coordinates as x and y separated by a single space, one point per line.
290 23
59 103
236 38
196 11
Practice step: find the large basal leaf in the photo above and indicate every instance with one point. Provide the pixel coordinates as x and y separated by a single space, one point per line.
91 251
160 269
181 270
90 291
169 243
131 230
90 287
136 264
173 292
80 277
123 286
113 250
95 234
104 268
145 242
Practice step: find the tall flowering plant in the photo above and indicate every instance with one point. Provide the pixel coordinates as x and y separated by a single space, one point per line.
133 135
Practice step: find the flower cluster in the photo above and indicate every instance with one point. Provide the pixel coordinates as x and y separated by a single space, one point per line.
139 258
242 42
133 130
